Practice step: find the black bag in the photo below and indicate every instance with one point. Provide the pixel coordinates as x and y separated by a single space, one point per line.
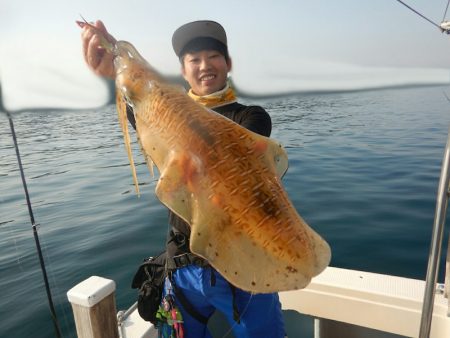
149 279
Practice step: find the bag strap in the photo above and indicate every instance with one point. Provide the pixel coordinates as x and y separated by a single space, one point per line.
236 314
178 252
179 295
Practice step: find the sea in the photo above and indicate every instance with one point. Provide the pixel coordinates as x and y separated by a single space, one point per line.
364 169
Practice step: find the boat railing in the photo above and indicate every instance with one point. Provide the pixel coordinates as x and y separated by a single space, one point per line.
447 275
436 246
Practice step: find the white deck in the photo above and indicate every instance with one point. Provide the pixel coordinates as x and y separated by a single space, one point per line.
381 302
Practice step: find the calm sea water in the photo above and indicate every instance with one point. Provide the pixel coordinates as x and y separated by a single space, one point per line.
364 171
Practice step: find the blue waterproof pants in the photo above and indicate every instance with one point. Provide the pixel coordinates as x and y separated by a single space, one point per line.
206 290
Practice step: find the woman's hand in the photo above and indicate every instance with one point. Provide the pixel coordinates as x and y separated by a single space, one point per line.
97 58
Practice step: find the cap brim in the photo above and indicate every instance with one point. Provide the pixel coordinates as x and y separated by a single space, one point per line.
197 29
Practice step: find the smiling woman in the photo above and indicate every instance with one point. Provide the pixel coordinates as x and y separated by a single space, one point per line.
198 177
203 52
205 71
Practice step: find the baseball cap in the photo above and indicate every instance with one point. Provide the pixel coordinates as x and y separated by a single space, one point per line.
197 29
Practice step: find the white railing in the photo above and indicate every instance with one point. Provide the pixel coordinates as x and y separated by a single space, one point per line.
436 245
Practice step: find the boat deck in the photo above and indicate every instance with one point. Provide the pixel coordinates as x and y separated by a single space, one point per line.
363 302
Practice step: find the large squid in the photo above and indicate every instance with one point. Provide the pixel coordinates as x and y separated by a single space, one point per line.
222 179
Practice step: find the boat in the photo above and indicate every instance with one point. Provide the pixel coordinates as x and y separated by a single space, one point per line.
339 303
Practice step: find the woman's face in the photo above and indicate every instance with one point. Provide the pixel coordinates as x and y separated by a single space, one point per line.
206 71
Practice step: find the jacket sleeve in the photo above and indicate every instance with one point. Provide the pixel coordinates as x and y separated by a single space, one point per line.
256 119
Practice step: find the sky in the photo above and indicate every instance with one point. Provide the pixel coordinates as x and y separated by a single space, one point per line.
276 46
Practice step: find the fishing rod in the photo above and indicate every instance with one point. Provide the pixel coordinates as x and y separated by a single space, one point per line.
33 224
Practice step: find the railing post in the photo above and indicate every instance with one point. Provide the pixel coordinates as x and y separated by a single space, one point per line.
94 308
436 244
447 278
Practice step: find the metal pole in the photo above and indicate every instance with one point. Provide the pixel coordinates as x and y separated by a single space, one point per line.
317 333
436 245
447 278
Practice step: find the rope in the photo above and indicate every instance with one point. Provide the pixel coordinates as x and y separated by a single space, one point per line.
421 15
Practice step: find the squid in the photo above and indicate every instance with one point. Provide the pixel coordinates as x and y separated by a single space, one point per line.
222 179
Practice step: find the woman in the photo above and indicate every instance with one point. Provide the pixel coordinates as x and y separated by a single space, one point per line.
202 49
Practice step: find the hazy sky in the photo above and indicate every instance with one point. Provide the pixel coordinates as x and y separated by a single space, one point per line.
275 45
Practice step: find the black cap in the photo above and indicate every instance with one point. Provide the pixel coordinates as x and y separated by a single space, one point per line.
197 29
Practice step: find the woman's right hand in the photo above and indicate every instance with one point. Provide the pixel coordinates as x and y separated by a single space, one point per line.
96 57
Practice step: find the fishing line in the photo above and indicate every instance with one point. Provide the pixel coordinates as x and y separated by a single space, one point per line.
34 227
446 96
57 293
8 228
241 314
